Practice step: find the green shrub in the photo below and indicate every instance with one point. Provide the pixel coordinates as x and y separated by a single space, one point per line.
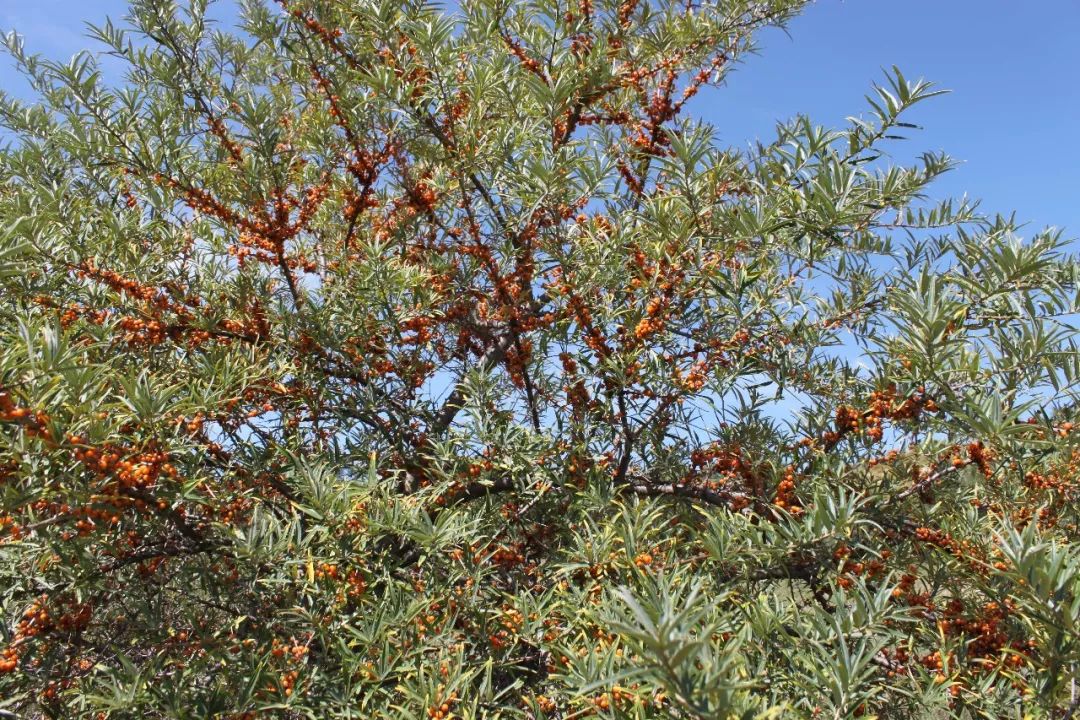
380 360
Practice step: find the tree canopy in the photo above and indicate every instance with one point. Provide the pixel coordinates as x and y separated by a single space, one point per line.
384 359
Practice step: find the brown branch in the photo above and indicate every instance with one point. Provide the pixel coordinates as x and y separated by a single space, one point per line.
455 401
718 498
930 479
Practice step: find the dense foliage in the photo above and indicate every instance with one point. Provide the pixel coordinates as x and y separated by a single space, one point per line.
382 360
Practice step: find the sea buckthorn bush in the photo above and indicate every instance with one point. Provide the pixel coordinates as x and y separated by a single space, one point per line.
381 359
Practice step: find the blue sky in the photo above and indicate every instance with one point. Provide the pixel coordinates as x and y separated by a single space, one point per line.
1011 66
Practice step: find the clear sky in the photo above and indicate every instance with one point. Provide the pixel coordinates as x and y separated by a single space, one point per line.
1012 68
